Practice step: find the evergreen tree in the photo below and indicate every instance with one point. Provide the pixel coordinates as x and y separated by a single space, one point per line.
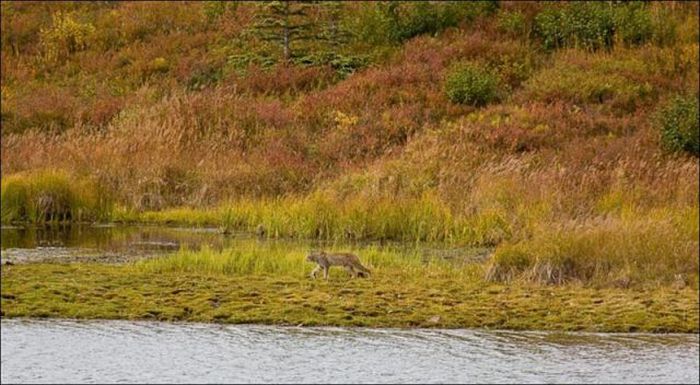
332 31
284 23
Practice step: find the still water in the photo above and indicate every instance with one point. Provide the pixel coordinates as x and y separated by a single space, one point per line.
120 244
64 351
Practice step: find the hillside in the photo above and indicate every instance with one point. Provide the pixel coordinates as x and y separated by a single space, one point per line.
565 135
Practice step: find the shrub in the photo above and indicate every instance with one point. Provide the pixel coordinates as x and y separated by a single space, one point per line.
65 36
594 25
594 79
678 122
426 17
160 64
513 24
470 84
213 10
392 22
588 25
633 24
550 26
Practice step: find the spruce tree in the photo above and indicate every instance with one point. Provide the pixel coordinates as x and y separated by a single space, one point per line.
284 23
333 33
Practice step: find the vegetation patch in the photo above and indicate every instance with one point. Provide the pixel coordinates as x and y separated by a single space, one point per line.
470 84
391 298
53 196
614 252
680 124
593 25
592 80
542 129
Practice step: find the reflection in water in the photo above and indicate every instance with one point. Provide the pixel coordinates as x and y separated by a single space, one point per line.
105 237
112 351
109 244
115 244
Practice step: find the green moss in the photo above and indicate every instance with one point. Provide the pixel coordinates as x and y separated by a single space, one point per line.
391 298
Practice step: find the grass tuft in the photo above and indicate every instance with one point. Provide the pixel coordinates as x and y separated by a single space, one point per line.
52 196
622 252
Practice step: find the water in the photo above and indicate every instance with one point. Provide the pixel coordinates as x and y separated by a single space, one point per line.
63 351
119 244
105 244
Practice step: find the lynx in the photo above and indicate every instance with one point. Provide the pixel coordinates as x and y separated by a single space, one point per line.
324 260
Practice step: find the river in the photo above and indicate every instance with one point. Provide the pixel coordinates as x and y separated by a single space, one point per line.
66 351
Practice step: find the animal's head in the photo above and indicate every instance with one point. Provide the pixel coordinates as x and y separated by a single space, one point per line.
314 255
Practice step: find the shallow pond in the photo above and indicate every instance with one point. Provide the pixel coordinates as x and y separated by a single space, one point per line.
64 351
119 243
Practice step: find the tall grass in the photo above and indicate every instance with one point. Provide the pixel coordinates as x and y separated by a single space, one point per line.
53 196
661 247
253 258
571 141
323 216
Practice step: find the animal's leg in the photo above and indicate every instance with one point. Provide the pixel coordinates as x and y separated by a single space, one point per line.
325 272
350 271
316 269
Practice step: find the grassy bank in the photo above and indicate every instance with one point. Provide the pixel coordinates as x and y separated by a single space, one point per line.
393 297
50 196
569 148
621 247
619 239
660 247
323 216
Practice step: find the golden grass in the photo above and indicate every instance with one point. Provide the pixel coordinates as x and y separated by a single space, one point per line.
659 248
566 176
53 196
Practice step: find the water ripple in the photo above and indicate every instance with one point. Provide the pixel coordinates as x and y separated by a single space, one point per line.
121 351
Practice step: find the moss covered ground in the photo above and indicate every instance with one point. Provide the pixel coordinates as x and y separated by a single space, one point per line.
390 298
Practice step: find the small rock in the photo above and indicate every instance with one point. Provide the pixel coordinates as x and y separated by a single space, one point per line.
434 319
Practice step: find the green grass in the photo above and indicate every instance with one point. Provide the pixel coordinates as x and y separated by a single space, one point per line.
324 216
392 297
285 259
593 79
52 196
269 283
621 245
